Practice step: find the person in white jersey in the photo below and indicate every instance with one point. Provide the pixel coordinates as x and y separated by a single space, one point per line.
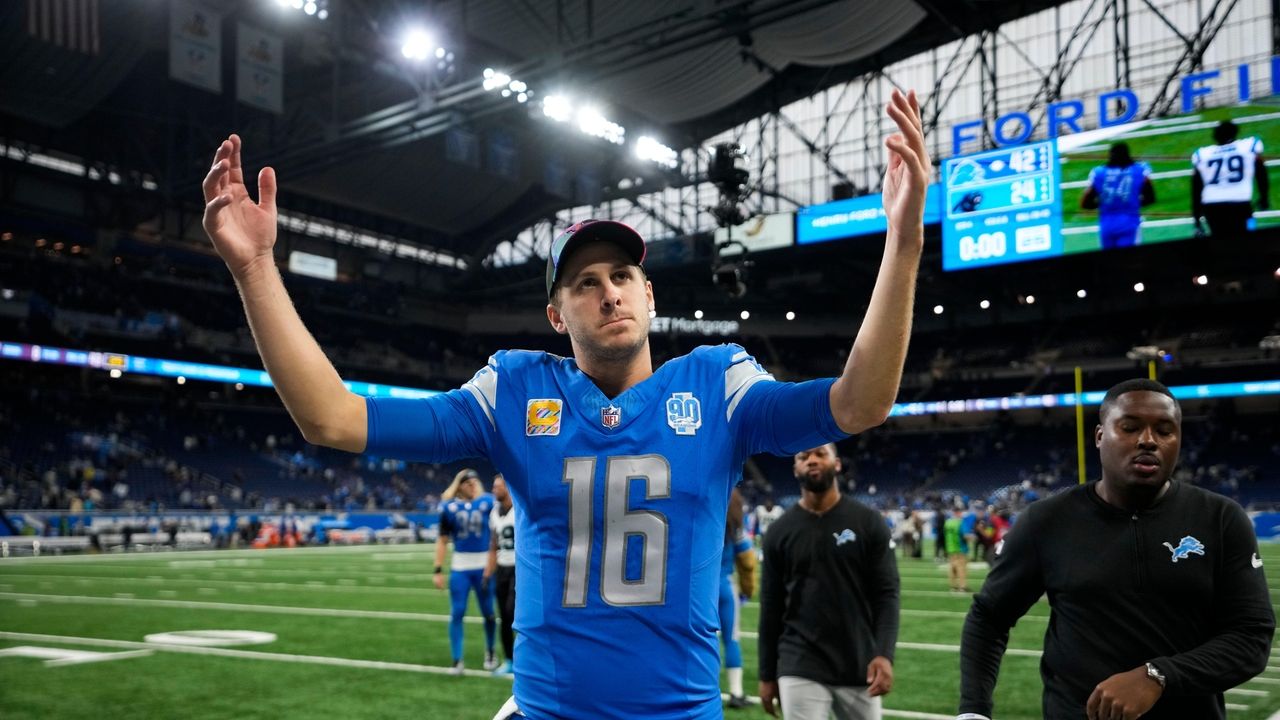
502 566
1223 181
765 514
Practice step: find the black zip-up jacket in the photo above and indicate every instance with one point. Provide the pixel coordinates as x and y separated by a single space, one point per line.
828 595
1179 585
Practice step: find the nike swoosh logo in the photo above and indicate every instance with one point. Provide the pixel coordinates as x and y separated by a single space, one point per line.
1256 561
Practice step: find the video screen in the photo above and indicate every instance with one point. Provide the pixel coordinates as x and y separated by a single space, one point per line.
855 217
1119 187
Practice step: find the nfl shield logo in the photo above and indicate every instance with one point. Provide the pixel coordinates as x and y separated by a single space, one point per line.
611 416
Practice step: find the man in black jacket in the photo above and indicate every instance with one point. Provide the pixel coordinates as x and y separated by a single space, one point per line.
1157 595
828 602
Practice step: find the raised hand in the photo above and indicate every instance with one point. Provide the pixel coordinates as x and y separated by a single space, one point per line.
907 175
242 231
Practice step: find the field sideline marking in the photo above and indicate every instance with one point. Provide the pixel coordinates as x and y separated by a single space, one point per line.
247 654
328 660
327 612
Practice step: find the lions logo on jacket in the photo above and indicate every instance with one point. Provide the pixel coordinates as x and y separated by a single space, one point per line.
1187 546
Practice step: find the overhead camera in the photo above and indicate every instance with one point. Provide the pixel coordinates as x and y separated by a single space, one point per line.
731 276
728 172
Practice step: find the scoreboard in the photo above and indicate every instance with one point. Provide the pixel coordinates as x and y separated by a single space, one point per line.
1002 206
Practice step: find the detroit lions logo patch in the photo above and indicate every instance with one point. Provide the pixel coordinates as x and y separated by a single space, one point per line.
844 536
1187 547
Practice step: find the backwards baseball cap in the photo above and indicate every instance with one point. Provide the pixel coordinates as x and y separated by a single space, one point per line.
621 234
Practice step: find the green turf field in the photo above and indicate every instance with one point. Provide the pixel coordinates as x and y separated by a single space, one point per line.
1167 147
362 634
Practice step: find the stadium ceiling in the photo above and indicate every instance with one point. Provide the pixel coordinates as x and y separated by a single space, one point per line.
365 133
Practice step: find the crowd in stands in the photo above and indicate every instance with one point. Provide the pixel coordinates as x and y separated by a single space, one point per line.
75 440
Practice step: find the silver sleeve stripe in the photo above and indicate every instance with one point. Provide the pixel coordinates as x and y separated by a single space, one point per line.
737 380
739 356
484 388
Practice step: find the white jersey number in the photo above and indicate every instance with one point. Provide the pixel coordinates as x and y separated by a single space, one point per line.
621 523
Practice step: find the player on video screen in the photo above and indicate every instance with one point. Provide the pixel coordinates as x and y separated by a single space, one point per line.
1222 184
1116 190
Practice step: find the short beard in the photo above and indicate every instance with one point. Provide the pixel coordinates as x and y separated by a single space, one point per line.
612 355
819 484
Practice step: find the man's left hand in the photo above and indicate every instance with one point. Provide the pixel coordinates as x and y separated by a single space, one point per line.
879 676
1124 696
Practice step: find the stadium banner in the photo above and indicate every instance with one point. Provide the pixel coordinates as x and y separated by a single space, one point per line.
316 266
856 217
222 373
122 363
259 69
1065 116
52 523
195 45
762 232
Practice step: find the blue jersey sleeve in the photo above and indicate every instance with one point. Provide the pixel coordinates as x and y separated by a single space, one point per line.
777 417
454 425
1095 179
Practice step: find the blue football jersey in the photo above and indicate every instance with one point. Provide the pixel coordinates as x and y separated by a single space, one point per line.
467 523
1119 189
622 512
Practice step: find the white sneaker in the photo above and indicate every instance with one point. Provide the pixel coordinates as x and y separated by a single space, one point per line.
457 668
490 661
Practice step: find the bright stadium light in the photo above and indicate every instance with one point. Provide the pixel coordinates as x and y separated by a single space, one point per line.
1202 279
115 373
494 79
791 315
1031 299
937 309
1082 293
984 304
592 122
648 148
1139 287
745 314
310 8
697 314
417 45
182 380
653 314
557 107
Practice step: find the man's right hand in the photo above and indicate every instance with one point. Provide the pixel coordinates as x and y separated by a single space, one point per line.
242 231
769 696
438 580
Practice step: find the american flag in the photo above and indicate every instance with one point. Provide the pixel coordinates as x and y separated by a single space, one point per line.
70 24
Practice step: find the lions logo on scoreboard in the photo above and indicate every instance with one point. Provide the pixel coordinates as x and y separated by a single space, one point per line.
684 413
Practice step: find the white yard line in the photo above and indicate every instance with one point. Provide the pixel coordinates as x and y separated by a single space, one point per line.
246 654
236 607
342 587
